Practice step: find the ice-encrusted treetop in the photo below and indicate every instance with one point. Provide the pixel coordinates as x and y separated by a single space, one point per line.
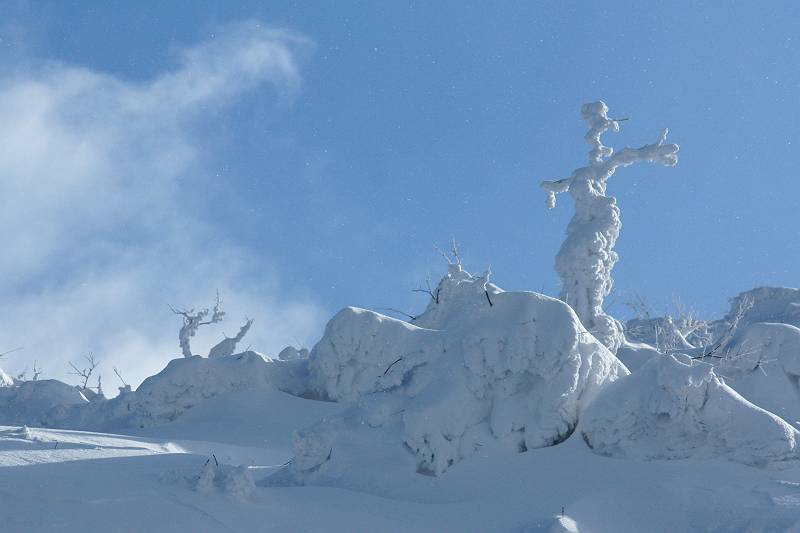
587 255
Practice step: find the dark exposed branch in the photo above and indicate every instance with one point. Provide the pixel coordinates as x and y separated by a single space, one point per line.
11 351
120 377
429 290
393 310
390 366
85 373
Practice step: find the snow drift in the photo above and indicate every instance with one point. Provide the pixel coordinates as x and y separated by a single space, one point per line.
480 365
762 362
162 398
673 408
767 304
184 383
43 402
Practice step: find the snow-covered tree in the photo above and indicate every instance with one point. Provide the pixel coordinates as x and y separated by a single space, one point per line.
193 320
587 255
228 345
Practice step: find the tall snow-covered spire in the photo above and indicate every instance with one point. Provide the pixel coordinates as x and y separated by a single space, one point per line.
587 255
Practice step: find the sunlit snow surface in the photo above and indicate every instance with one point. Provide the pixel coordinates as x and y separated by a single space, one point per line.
209 444
107 482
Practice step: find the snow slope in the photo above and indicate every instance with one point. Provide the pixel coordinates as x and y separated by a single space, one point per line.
248 443
155 489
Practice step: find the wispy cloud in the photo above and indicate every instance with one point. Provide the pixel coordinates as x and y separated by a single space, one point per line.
102 220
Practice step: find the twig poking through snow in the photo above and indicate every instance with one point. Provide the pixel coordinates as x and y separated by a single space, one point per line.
399 312
390 366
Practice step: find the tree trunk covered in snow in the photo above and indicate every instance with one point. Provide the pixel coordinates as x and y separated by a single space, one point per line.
587 255
192 322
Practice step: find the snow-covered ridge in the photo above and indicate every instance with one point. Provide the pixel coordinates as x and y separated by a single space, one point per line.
162 398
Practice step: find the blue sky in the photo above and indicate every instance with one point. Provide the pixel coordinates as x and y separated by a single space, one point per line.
304 157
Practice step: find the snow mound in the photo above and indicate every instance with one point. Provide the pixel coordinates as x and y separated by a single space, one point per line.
42 402
479 365
674 409
183 384
762 363
186 382
766 304
634 354
234 481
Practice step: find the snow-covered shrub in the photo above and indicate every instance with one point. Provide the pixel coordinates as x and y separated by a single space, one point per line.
765 304
479 365
233 481
674 408
669 334
290 353
227 346
587 255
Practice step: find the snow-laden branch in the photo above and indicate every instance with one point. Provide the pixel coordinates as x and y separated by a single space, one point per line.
587 255
603 162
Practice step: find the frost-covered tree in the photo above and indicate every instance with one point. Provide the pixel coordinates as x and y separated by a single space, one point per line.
227 345
587 255
193 320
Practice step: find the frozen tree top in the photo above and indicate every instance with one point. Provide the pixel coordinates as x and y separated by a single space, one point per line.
603 161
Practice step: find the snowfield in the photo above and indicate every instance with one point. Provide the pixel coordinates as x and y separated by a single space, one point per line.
248 443
106 482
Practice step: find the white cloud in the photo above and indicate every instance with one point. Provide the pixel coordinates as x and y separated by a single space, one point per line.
96 205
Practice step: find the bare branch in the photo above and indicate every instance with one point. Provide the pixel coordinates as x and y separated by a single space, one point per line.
124 384
85 373
11 351
399 312
390 366
429 290
452 257
454 252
